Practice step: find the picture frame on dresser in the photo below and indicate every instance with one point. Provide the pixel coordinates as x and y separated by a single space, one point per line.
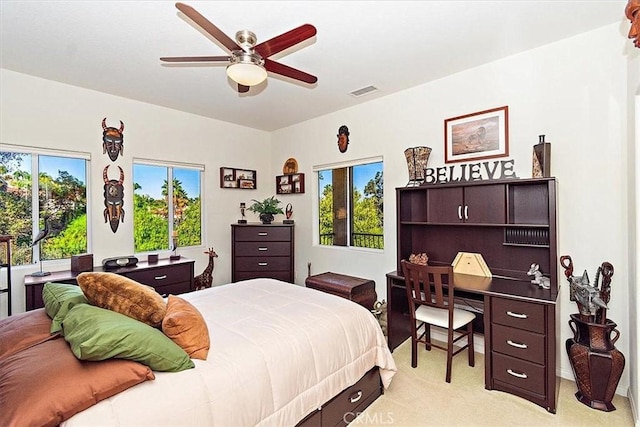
290 183
476 136
245 179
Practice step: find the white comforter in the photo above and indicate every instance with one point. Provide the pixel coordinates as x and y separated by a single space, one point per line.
278 351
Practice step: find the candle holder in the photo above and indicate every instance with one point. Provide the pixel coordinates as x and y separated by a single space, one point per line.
242 208
174 256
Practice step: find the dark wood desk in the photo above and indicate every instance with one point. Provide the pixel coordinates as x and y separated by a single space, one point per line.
165 276
519 332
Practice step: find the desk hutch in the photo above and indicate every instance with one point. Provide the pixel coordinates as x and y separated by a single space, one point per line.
512 224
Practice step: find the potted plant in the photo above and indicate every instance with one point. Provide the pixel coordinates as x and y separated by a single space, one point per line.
266 209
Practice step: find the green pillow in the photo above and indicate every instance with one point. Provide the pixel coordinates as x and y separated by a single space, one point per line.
95 333
58 299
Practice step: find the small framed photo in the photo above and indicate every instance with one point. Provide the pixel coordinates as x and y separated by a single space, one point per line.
246 183
476 136
237 178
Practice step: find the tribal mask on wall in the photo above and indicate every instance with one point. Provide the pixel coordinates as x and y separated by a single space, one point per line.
113 199
112 140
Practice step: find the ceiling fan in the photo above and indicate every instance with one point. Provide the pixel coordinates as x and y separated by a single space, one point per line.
248 61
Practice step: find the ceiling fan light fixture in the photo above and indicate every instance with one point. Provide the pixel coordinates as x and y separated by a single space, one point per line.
247 70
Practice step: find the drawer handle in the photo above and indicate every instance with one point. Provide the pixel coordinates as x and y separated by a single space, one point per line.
516 344
263 264
264 233
517 315
263 249
355 397
517 374
164 276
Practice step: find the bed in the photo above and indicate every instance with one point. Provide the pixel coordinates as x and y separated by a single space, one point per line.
279 352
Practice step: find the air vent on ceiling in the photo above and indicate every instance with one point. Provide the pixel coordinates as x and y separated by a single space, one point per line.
364 91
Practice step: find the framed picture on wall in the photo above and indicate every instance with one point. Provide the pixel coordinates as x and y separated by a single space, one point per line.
238 178
476 136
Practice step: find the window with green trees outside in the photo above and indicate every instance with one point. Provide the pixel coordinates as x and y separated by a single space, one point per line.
60 183
163 211
350 206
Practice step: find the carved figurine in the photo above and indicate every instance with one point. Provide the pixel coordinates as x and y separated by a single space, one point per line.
592 302
205 280
538 278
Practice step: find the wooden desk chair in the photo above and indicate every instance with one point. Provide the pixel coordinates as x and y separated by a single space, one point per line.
430 305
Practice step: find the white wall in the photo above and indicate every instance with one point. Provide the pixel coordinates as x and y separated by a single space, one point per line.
42 113
573 91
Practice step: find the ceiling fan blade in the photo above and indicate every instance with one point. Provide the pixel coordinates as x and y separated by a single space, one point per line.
286 40
242 88
196 59
285 70
206 25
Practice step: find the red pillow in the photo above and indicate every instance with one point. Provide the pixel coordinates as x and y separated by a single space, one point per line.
23 330
45 385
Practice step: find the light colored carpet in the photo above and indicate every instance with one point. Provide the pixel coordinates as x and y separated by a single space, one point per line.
420 396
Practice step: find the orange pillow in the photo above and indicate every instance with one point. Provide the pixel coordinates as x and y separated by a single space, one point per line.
123 295
23 330
184 324
45 385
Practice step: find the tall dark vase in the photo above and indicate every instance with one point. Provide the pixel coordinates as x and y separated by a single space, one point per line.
597 365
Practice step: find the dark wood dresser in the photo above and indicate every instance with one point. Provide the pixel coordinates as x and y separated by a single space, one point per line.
165 276
512 224
262 250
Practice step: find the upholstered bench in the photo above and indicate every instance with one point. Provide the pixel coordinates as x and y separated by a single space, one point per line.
356 289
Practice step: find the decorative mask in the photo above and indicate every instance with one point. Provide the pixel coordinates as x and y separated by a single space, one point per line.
113 199
112 140
343 138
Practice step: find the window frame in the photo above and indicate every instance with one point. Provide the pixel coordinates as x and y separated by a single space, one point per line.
316 201
35 153
171 165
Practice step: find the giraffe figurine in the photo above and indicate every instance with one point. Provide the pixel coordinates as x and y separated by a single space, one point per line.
205 279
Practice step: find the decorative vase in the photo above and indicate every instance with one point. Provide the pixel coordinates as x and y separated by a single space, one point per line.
597 365
417 158
266 218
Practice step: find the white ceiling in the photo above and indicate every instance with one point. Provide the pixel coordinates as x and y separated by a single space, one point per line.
114 46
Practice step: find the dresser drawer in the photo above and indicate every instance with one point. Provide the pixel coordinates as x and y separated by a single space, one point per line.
285 276
518 343
276 263
263 234
262 249
519 373
343 407
174 288
162 276
519 314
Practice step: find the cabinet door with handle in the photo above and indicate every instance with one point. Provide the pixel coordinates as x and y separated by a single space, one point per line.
483 204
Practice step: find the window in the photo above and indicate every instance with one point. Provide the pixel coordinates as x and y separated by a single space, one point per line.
39 184
161 211
350 205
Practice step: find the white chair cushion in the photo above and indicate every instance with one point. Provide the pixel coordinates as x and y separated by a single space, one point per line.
440 316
